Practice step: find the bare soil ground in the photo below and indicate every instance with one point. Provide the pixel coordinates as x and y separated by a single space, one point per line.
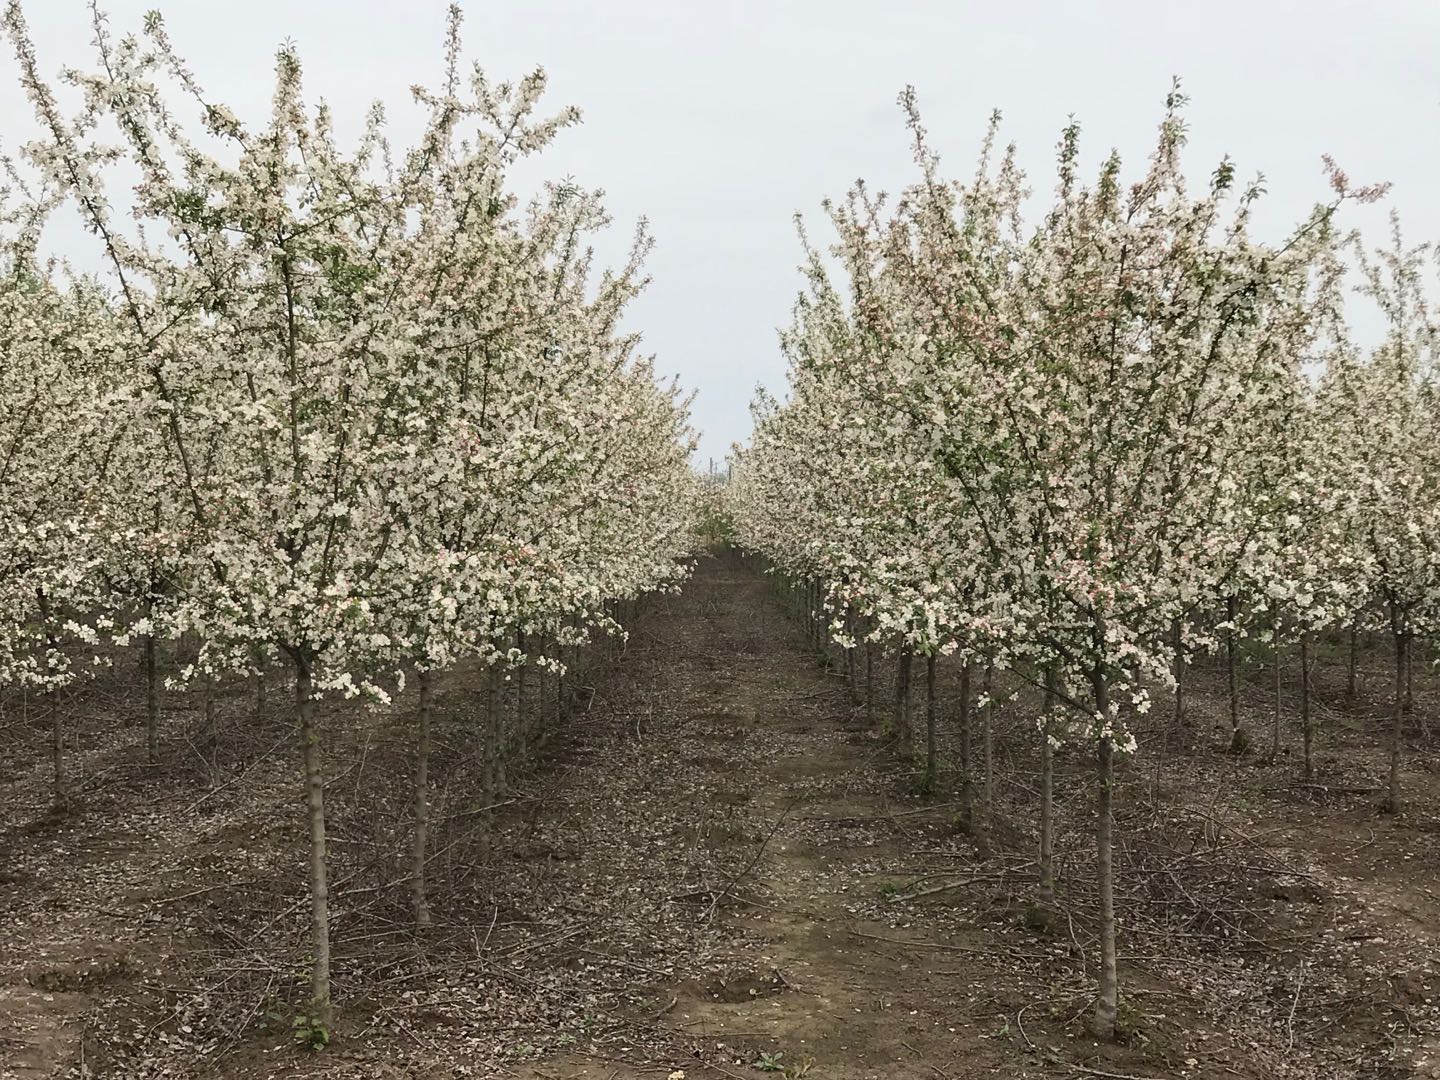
715 866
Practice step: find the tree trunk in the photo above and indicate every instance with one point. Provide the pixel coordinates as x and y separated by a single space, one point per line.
902 702
560 683
262 708
422 805
1410 680
1307 727
850 654
1354 660
490 743
928 786
522 727
1233 612
209 735
152 702
315 817
1416 644
1107 1000
1397 723
60 782
869 683
1179 715
967 808
1275 721
817 620
987 721
1046 866
504 701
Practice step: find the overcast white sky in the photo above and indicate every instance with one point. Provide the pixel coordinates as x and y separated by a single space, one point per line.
718 119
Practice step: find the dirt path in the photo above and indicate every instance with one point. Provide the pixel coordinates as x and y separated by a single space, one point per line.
811 809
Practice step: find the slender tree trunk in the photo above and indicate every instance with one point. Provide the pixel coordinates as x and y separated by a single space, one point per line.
421 839
562 656
152 702
60 786
850 654
490 742
1397 723
929 783
822 633
502 725
869 683
1410 679
1046 865
1232 665
1179 646
262 707
1275 721
908 705
1107 1000
540 692
1307 727
315 817
209 735
987 722
902 702
522 726
967 808
1416 644
60 782
1354 660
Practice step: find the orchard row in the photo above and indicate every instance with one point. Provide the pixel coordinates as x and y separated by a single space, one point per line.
1091 448
365 414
